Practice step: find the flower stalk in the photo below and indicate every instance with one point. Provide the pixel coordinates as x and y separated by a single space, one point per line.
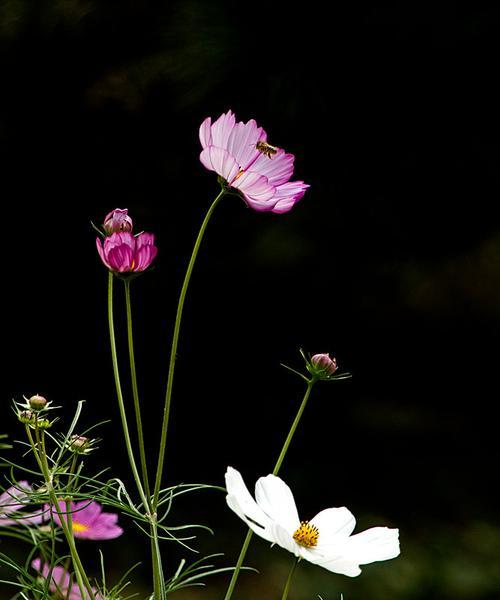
288 583
38 448
277 467
158 580
175 343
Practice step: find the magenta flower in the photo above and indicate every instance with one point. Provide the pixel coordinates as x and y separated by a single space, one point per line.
88 520
117 220
122 252
61 583
14 500
240 154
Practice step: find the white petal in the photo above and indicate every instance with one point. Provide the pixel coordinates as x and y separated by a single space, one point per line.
276 499
241 502
334 523
378 543
372 545
284 539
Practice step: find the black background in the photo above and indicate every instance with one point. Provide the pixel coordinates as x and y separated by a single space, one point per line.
391 261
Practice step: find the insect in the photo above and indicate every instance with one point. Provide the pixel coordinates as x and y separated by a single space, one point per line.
266 148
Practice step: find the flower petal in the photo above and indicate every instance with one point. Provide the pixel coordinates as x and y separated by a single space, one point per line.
241 502
205 133
258 193
333 523
372 545
242 141
288 195
278 168
219 160
221 129
285 539
276 499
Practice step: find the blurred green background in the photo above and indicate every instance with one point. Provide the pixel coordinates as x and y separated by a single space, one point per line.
391 262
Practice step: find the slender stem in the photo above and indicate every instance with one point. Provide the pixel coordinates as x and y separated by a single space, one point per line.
173 351
248 538
158 581
119 395
295 423
41 458
135 390
289 579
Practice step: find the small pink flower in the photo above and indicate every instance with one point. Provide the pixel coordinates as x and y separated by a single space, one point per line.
239 153
121 252
117 220
61 583
89 522
324 364
14 500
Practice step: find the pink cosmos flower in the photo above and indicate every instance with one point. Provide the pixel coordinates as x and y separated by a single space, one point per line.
89 522
122 252
61 583
14 500
239 153
117 220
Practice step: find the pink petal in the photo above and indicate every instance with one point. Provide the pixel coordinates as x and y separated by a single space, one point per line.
219 160
288 195
84 512
242 141
278 168
221 129
256 189
205 133
100 250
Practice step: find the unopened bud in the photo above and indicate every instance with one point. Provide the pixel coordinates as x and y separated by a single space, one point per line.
26 416
78 443
37 402
117 220
323 363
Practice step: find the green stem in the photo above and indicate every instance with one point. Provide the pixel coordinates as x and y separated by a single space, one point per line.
41 458
294 426
248 538
289 579
173 351
158 581
135 390
119 395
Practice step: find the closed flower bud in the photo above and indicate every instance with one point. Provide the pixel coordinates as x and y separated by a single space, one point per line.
26 416
37 402
323 364
117 220
78 443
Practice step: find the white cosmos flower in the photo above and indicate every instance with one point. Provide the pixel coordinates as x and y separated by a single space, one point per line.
325 540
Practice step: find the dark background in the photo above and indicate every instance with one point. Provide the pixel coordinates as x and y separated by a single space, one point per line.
391 261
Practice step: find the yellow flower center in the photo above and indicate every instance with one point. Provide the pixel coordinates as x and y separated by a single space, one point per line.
306 535
80 527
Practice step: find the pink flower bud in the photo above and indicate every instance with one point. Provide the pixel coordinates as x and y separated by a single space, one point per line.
123 253
323 364
117 220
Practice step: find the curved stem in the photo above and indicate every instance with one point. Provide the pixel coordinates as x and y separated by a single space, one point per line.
289 579
173 351
135 390
277 467
119 395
